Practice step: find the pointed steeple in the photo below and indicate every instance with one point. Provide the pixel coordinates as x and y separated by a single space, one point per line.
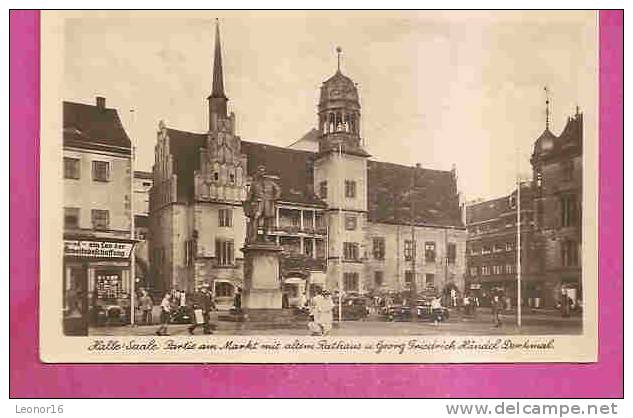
218 76
217 100
546 107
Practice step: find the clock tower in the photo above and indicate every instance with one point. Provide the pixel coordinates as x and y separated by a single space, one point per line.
340 178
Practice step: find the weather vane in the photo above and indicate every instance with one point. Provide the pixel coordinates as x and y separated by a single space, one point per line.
546 106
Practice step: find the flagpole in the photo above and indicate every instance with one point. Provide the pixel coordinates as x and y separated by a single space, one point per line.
132 226
518 206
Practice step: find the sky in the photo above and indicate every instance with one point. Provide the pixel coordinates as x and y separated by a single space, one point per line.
436 88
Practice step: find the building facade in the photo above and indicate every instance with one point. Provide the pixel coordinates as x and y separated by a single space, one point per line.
142 183
557 171
343 220
97 215
551 227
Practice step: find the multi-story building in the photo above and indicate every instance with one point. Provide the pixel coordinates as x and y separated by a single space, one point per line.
557 171
97 215
491 251
343 220
551 226
143 181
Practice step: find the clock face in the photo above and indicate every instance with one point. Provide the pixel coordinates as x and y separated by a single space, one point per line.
335 93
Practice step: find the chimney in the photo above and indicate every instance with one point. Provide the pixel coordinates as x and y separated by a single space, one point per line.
101 105
418 166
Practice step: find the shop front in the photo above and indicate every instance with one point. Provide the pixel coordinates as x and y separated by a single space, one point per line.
96 283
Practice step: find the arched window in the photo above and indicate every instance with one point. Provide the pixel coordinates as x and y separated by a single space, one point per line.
239 176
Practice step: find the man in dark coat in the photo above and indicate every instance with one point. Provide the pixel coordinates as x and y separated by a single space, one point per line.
202 300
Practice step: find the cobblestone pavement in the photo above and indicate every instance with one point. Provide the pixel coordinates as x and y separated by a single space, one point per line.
542 323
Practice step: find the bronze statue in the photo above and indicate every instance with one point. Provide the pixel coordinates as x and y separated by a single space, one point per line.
260 205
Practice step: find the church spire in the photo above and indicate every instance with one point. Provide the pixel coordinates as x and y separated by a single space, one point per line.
218 76
217 100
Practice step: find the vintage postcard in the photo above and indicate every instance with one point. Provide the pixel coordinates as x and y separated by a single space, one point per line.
318 187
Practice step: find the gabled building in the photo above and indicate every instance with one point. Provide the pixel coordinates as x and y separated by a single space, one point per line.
97 215
343 220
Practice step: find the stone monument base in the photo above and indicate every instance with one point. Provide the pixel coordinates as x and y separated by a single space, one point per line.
262 282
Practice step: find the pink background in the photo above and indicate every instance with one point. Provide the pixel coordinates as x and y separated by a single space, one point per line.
30 378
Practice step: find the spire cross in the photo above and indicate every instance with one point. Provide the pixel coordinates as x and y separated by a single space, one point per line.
546 107
338 57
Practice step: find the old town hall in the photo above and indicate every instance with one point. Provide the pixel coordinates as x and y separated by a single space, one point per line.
344 221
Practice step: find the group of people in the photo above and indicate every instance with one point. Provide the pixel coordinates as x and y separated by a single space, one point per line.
175 300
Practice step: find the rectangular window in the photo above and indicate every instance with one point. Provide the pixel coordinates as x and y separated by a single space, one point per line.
101 171
224 252
71 218
379 248
569 212
485 270
429 251
190 252
71 168
323 190
408 277
486 250
496 269
451 253
350 188
497 248
409 250
109 285
350 222
474 251
378 278
350 251
225 217
509 246
509 268
569 253
350 282
100 219
429 280
473 271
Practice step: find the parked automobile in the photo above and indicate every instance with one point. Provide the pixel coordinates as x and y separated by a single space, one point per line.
353 308
404 312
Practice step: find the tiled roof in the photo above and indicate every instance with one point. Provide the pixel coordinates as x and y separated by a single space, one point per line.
494 208
87 126
389 195
389 200
487 210
293 167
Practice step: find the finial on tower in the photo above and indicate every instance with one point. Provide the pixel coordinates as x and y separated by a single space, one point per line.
338 57
546 107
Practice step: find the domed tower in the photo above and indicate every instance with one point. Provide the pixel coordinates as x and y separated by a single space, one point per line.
340 179
339 113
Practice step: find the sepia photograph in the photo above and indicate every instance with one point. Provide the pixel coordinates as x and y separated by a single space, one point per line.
319 186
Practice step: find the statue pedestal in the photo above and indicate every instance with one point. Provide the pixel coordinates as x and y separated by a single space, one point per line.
262 283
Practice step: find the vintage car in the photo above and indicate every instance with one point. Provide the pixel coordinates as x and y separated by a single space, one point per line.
353 308
422 308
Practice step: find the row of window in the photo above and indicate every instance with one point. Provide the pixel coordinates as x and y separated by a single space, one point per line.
497 248
351 280
100 219
496 270
350 189
100 169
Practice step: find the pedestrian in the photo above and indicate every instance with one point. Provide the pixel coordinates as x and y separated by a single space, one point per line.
165 313
437 311
147 305
565 304
497 306
326 316
237 300
467 305
313 325
203 304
